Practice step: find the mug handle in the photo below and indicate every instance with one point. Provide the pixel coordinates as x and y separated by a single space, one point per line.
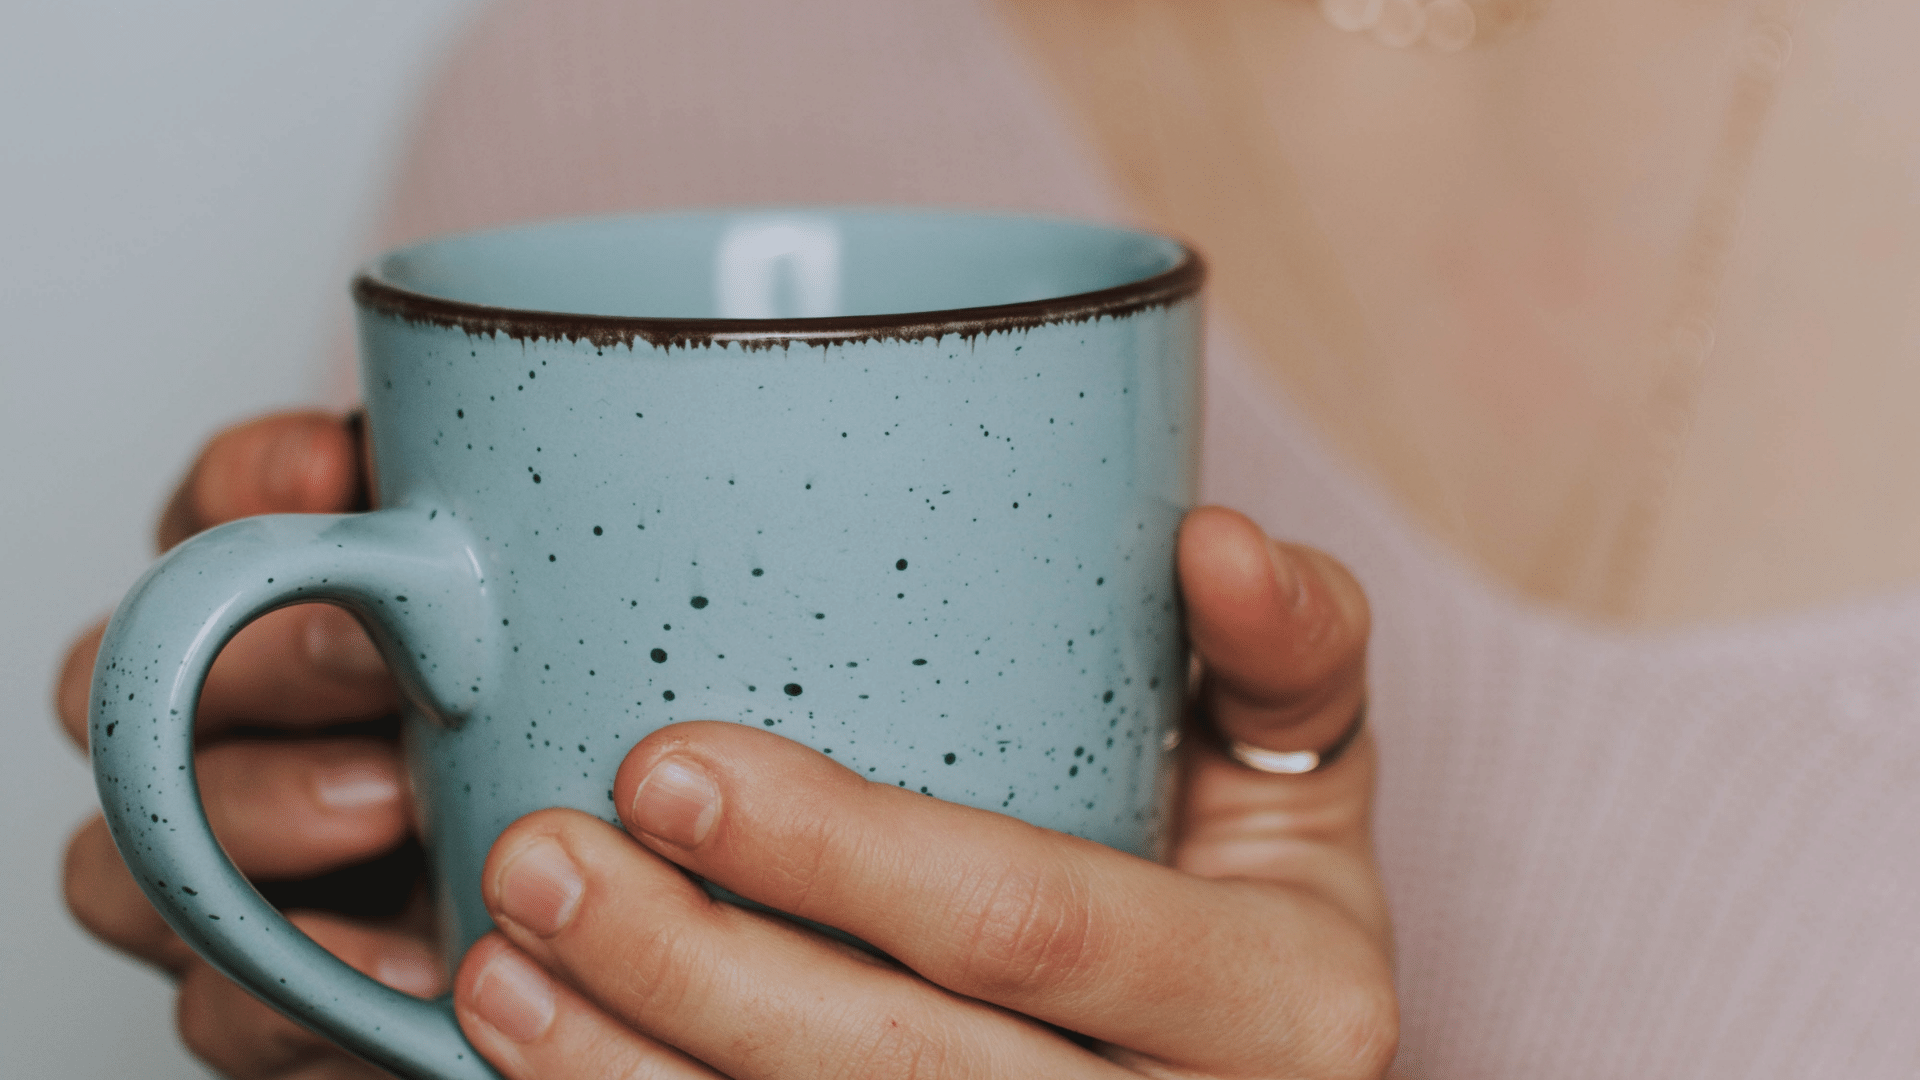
415 580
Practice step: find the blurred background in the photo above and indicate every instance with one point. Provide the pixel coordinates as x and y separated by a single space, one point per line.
184 188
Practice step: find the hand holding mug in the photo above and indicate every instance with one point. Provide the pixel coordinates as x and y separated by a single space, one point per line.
1262 952
1290 833
431 586
298 763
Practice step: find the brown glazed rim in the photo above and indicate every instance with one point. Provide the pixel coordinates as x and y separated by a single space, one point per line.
1170 286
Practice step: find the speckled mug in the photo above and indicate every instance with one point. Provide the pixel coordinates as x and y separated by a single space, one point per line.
901 485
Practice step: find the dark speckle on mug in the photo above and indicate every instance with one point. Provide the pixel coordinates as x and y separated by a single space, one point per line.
659 656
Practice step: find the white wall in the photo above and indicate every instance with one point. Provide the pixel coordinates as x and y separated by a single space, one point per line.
183 189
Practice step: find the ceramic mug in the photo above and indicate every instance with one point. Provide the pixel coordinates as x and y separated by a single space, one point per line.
900 485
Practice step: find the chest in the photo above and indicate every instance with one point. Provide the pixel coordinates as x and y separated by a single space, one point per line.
1619 301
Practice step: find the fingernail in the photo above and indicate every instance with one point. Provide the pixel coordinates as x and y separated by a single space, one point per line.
540 887
286 464
1286 576
356 785
410 971
338 646
515 997
677 802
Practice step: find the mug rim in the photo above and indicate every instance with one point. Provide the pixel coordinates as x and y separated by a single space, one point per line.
373 292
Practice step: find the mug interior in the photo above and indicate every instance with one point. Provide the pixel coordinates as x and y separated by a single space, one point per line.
779 264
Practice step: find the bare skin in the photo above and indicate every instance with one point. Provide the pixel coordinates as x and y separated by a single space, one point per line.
1263 949
1617 303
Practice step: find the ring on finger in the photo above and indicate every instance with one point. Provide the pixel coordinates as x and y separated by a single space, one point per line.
1297 762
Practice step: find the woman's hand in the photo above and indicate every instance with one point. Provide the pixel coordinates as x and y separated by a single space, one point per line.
1281 971
297 766
1262 952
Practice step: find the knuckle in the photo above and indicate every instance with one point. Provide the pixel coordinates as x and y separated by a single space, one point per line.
208 491
1328 637
75 683
207 1027
224 1026
197 1021
1026 929
118 916
1349 613
818 856
85 901
662 963
260 466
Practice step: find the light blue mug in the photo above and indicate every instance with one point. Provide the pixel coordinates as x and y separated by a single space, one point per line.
900 485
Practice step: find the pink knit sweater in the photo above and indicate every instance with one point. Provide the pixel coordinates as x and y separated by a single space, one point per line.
1609 855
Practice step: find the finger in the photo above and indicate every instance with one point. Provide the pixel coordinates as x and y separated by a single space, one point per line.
299 667
1076 934
105 900
750 995
303 665
71 689
281 810
297 809
1311 832
533 1028
1281 631
287 463
231 1030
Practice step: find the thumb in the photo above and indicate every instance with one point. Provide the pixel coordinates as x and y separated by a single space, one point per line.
1281 631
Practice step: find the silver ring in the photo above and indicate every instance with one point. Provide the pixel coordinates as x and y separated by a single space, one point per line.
1297 762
